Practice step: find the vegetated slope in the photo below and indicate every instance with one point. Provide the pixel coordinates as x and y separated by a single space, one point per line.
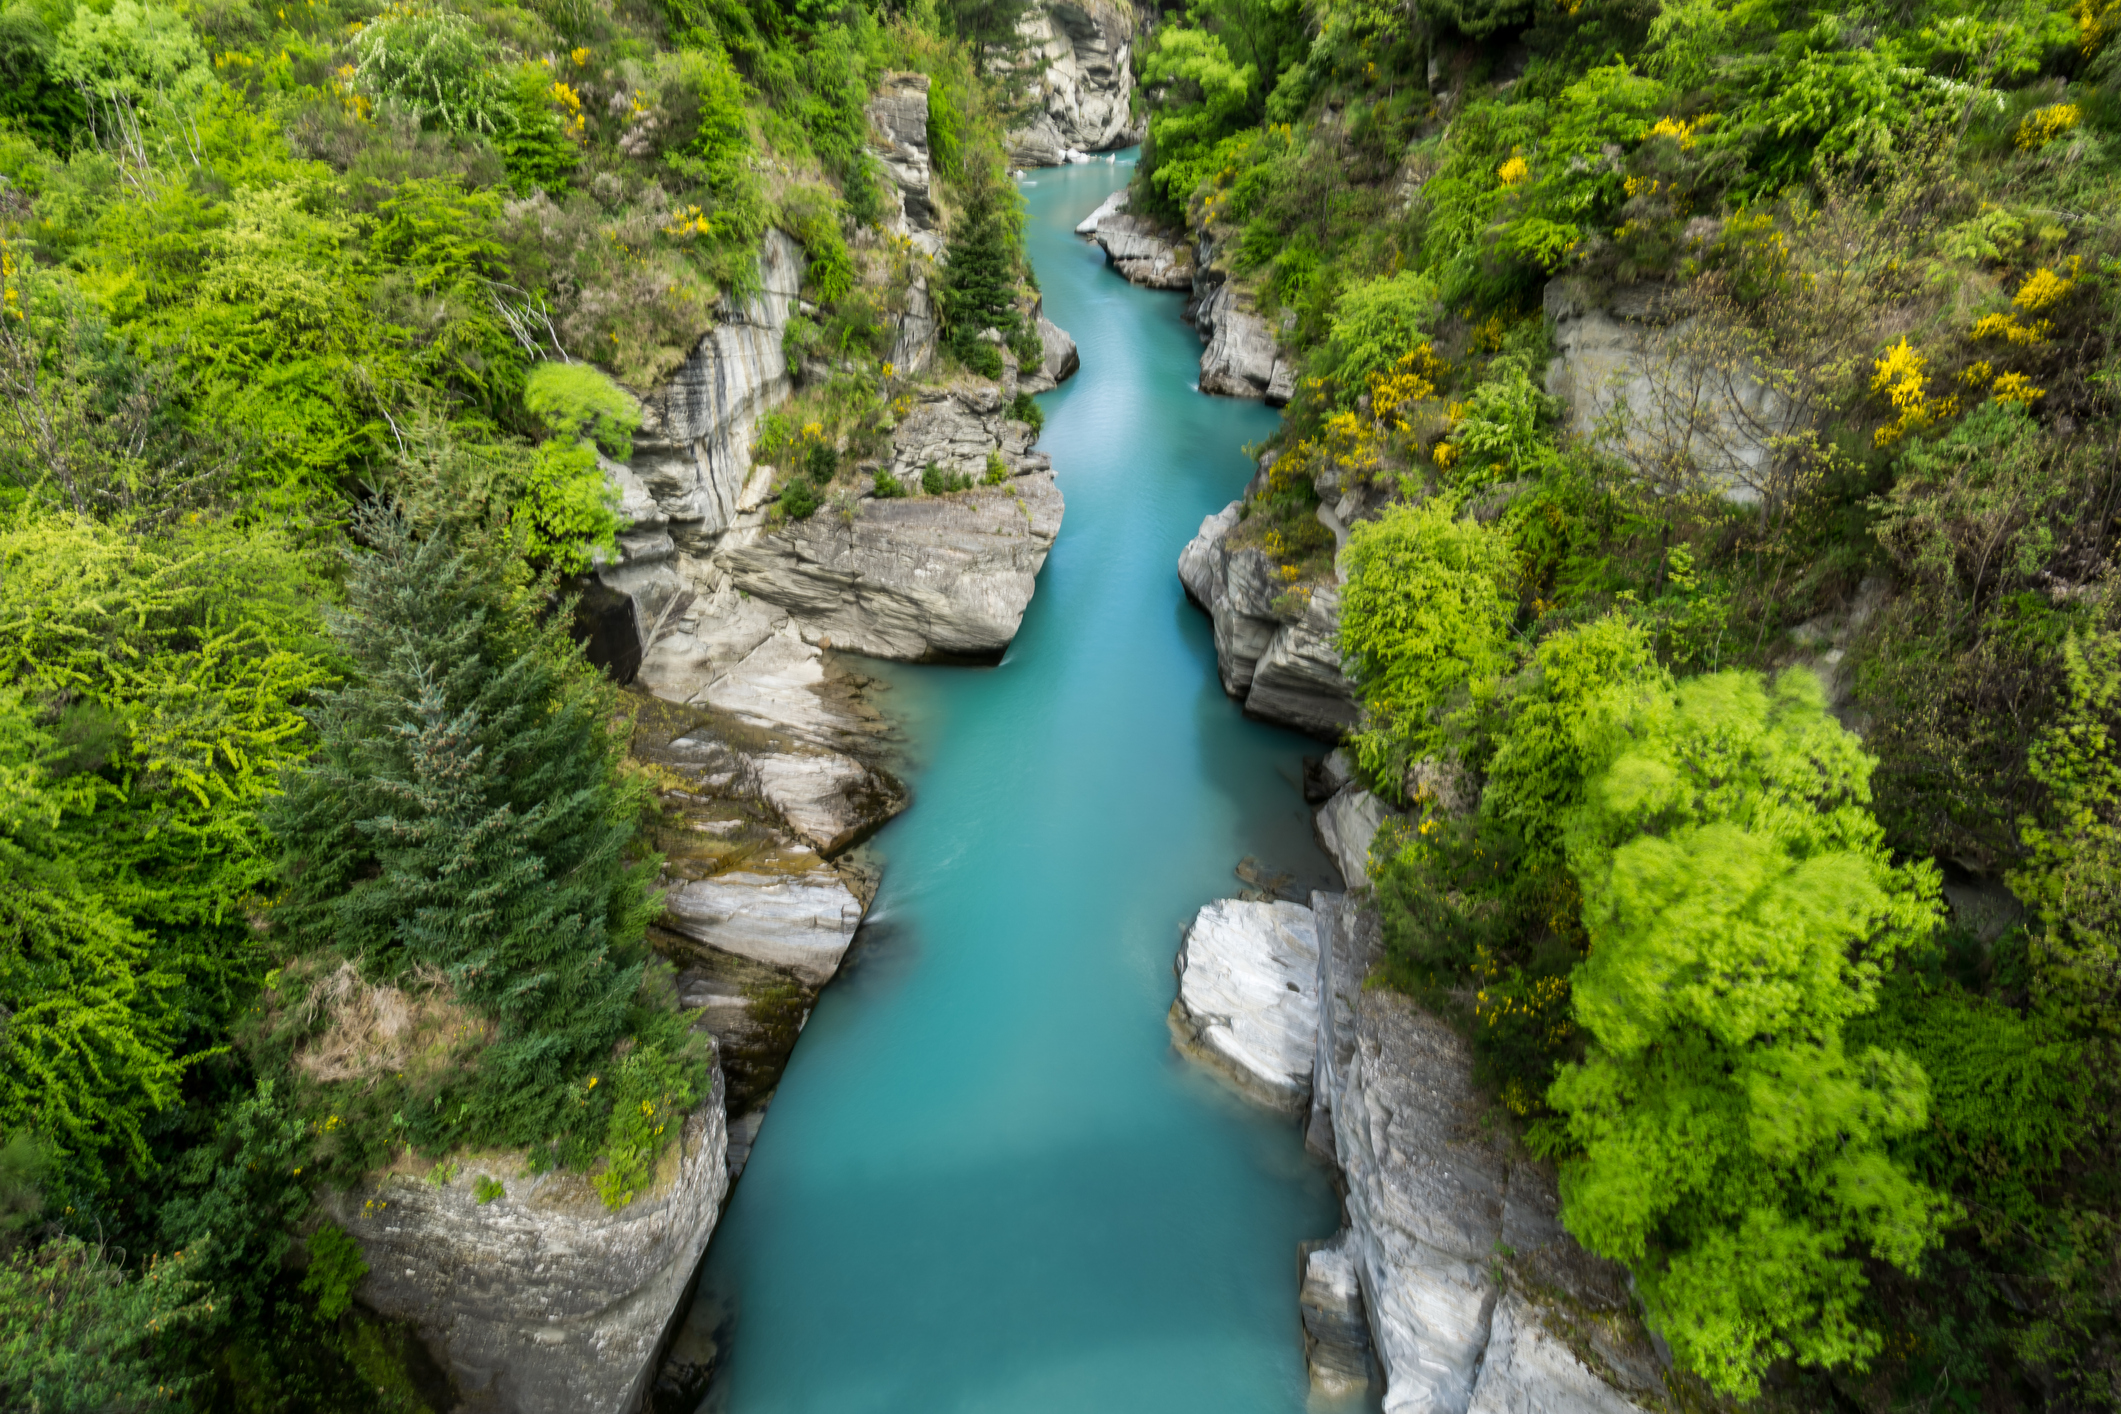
310 317
1834 294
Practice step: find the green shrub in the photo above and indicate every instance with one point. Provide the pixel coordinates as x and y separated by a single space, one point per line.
1025 409
651 1092
77 1337
997 470
575 400
885 486
1742 908
436 65
1376 323
1424 624
485 1188
335 1269
937 482
798 498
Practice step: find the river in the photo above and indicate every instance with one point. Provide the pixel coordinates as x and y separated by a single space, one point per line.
986 1182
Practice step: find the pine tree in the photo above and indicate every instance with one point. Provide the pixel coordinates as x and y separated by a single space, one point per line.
979 282
464 813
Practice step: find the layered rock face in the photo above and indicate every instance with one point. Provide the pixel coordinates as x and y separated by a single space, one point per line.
1283 664
1430 1193
1244 1002
1242 359
1676 390
922 578
898 117
1081 50
541 1300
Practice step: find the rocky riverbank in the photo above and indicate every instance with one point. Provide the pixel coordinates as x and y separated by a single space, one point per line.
1452 1282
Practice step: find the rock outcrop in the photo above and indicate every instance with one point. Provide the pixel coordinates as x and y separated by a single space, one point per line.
1058 360
920 578
540 1300
1663 388
1245 1003
1277 652
1242 359
1336 1336
1081 51
1433 1195
1143 253
898 119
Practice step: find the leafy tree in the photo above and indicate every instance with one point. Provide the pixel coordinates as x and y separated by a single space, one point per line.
1424 626
1727 1144
464 813
78 1337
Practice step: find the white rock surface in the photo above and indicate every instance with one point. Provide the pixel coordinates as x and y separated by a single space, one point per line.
1336 1330
1346 824
1081 51
1284 671
1058 360
1110 206
898 120
1527 1371
802 922
1246 1004
692 454
540 1301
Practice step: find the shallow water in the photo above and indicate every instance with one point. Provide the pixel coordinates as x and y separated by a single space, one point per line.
986 1182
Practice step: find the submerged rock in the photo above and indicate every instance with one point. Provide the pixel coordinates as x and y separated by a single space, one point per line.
1284 667
1081 50
1245 1002
540 1300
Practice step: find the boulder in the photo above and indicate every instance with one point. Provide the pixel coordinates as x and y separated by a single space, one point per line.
1663 389
1110 206
919 579
1284 667
1058 360
1246 1002
1142 253
540 1300
1242 359
1080 51
1345 825
1336 1329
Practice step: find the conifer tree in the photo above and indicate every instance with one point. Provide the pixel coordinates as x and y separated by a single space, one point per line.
979 282
464 813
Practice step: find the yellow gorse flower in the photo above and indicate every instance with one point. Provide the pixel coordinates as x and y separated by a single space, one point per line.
1513 171
2043 125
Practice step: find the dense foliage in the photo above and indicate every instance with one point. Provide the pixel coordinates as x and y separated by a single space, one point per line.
1855 1137
316 323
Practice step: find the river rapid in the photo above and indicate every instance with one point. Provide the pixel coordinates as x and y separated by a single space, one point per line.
986 1182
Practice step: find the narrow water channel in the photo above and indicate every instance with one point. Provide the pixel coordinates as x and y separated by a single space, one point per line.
986 1183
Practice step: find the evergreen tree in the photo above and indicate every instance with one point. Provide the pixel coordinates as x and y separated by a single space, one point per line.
979 282
464 813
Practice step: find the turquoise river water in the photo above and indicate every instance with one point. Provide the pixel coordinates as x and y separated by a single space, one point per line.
986 1182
